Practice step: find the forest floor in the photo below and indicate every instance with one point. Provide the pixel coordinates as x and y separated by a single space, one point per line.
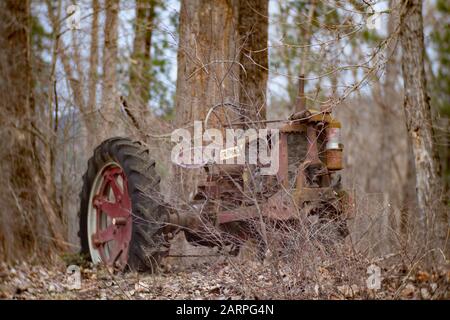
219 280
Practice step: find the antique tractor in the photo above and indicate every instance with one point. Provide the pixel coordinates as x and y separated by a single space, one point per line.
124 221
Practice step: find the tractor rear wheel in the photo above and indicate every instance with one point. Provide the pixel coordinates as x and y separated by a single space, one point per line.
121 217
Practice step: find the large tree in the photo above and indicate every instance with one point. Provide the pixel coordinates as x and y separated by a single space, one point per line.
253 27
207 58
222 62
110 98
208 70
28 215
140 64
420 127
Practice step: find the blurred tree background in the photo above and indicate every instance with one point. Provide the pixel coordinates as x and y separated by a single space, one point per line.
65 89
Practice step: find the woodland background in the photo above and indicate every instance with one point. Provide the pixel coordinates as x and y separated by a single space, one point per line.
63 92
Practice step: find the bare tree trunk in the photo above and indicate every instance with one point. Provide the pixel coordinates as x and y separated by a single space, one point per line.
409 195
30 216
420 127
285 51
140 67
75 83
388 179
253 33
207 64
110 101
300 104
53 114
208 70
93 72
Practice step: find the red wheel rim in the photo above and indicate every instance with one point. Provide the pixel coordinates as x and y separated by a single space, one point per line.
112 202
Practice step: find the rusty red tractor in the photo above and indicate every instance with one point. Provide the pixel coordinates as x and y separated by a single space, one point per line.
124 221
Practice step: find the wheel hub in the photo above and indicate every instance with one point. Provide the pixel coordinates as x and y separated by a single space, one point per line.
111 202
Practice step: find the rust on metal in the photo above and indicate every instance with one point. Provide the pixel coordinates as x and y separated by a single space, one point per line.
278 207
293 127
318 116
300 104
312 155
334 159
300 115
282 174
227 197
